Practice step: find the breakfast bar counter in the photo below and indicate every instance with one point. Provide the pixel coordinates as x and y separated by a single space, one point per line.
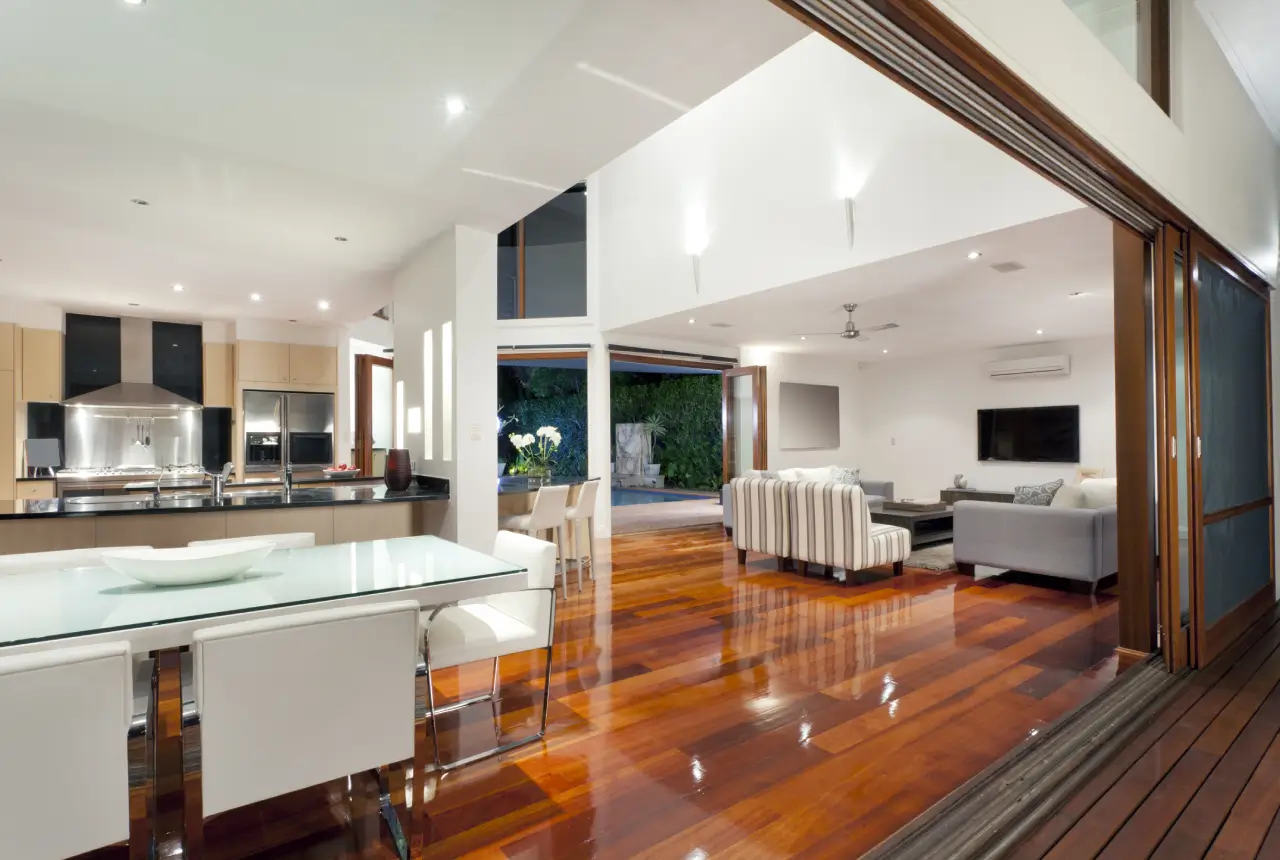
334 514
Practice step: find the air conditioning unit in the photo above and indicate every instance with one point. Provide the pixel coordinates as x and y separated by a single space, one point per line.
1021 368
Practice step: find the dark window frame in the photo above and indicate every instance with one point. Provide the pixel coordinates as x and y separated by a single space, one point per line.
579 188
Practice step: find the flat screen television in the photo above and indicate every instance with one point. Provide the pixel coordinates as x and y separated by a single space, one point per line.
1039 434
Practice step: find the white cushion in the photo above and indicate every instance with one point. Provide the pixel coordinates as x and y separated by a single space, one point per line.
476 631
821 474
1098 492
788 474
1068 496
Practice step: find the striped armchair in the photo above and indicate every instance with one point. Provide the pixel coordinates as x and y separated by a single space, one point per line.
763 519
831 526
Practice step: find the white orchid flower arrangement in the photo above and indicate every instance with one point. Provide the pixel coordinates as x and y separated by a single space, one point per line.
535 450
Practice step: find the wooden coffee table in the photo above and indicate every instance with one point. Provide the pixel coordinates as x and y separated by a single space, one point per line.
926 527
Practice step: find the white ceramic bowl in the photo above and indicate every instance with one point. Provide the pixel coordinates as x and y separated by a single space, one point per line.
188 565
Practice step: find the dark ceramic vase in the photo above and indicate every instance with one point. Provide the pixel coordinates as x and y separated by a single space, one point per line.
399 474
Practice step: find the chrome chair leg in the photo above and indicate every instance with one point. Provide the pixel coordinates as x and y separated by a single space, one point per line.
142 776
192 785
591 546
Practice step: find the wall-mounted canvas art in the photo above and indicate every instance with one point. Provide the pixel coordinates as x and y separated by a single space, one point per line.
809 416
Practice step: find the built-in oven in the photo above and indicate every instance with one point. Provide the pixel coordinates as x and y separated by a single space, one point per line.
262 451
311 449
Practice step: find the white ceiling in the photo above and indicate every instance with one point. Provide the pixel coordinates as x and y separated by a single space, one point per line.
1248 31
941 300
260 131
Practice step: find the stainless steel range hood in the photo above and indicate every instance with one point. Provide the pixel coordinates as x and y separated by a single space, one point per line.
136 388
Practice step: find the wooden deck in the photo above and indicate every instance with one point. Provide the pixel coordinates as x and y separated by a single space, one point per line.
699 710
1203 780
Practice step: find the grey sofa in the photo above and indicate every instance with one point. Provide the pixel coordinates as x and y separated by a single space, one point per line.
1072 543
876 492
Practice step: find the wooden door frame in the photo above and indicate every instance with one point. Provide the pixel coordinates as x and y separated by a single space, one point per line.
759 419
1177 644
364 410
1213 640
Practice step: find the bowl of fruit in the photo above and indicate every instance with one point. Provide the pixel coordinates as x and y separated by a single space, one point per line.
341 471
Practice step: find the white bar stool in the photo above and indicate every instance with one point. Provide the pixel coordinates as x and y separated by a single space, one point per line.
585 509
549 507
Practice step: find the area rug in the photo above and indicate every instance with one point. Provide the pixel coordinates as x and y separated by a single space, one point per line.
940 557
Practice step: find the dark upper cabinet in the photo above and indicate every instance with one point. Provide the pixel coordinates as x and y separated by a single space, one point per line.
177 359
91 353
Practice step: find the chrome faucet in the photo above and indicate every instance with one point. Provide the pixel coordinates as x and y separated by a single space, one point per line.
286 475
218 482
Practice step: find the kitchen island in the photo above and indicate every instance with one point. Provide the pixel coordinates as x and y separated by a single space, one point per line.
335 514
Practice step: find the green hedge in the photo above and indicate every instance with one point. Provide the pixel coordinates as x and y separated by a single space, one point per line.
688 404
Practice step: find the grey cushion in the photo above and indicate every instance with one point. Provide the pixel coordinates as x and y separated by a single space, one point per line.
1036 494
841 475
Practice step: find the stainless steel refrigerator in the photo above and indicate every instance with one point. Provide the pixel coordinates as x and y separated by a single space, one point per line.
287 427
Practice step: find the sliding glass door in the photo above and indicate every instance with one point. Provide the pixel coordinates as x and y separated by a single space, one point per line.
745 431
1232 395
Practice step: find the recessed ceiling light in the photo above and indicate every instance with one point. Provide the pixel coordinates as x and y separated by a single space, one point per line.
692 320
138 201
254 297
177 288
1039 331
973 255
135 2
455 105
885 351
802 337
339 238
323 304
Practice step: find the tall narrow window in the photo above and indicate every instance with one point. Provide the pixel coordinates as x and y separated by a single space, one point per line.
446 390
428 404
400 413
542 260
1136 33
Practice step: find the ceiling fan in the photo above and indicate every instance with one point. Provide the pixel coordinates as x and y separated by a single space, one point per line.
850 330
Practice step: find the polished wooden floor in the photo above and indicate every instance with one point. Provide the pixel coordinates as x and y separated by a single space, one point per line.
1203 780
704 710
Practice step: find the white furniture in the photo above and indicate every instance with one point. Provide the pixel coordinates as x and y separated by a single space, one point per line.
286 703
37 610
585 509
493 627
548 515
34 562
831 526
66 753
286 540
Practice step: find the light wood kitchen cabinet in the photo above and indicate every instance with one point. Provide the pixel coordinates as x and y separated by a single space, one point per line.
261 361
36 490
8 448
41 365
313 365
219 378
8 338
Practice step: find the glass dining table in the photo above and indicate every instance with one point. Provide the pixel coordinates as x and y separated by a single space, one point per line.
87 605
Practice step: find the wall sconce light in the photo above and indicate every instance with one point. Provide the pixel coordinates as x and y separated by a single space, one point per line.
850 181
697 237
849 218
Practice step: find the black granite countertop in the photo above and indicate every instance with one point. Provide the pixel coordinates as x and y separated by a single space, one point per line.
261 499
511 484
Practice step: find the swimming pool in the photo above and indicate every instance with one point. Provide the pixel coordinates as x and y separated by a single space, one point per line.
634 496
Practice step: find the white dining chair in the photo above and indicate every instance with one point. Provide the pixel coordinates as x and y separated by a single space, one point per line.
280 704
488 628
585 509
69 747
285 540
38 562
549 506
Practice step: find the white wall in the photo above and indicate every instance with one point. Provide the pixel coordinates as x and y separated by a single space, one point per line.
919 417
767 161
815 370
1214 158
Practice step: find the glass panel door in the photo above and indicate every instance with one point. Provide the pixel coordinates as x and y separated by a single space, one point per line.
745 436
1230 321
